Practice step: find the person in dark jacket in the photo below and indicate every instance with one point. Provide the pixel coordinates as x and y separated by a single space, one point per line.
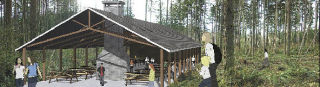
100 71
213 66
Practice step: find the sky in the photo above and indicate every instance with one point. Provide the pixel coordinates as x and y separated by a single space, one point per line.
138 6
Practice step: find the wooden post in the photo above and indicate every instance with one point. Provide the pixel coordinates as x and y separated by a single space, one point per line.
199 55
184 61
169 68
191 55
24 61
196 53
188 59
161 68
74 57
60 61
175 67
44 64
96 53
86 54
179 53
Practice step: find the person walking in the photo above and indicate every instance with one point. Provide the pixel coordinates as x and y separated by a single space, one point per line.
18 70
204 72
151 75
266 61
100 71
216 58
33 72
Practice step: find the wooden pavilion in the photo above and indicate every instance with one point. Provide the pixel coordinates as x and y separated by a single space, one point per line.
87 28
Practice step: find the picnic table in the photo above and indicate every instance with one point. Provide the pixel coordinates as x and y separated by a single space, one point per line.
58 74
72 73
136 76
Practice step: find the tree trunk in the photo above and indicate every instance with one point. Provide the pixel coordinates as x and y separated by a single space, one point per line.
288 24
33 18
276 26
230 36
8 13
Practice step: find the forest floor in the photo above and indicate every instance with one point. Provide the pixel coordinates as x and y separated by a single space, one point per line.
296 71
283 71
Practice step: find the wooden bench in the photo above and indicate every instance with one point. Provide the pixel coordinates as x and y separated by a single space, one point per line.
56 75
136 77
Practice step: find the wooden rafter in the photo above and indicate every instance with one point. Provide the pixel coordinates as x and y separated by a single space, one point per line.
79 23
120 36
68 44
94 40
96 43
61 36
70 39
98 23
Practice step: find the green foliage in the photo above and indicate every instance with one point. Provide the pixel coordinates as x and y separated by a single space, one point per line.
191 78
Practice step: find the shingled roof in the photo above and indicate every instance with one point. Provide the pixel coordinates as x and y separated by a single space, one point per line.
156 34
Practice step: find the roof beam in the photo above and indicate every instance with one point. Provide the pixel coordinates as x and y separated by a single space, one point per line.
79 23
94 40
96 43
98 23
76 37
88 38
61 36
120 36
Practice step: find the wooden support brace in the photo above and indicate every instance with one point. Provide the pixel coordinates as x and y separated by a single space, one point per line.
184 61
169 68
98 23
44 65
86 54
180 58
74 57
79 23
70 39
123 37
24 50
61 36
175 68
60 59
161 68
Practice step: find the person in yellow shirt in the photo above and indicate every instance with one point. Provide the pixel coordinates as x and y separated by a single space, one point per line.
151 75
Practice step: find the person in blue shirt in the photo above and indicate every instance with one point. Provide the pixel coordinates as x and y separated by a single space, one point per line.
32 72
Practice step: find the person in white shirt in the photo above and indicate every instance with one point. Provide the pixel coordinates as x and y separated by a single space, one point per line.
152 60
266 56
193 60
146 60
205 72
18 70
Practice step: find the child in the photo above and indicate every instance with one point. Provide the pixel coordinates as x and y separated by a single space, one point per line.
151 75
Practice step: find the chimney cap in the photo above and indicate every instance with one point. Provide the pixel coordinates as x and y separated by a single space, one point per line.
113 2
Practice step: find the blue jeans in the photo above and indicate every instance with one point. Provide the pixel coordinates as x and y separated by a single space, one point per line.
32 81
19 82
102 80
205 83
151 84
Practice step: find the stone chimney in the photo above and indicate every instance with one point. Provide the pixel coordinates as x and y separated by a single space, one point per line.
116 7
114 56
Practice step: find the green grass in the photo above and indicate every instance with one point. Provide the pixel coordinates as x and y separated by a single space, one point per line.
289 71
